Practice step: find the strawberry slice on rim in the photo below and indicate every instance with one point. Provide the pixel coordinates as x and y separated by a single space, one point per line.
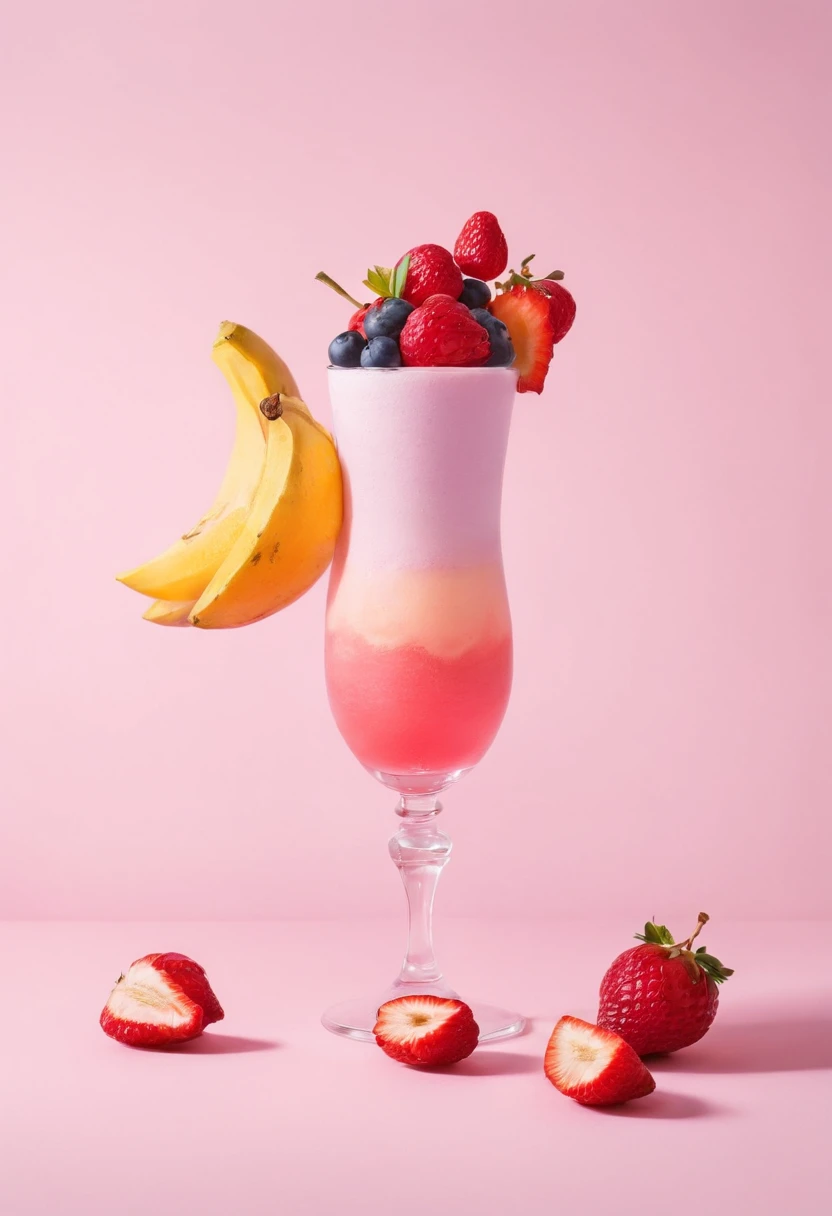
594 1066
525 311
426 1030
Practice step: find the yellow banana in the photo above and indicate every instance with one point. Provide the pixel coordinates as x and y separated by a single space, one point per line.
169 612
253 371
289 535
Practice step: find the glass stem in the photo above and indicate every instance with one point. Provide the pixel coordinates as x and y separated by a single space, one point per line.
420 852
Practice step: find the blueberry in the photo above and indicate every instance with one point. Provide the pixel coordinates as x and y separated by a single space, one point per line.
475 293
488 321
387 321
381 352
346 350
502 351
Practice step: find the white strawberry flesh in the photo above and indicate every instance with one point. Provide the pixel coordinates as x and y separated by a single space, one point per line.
594 1066
426 1030
147 1008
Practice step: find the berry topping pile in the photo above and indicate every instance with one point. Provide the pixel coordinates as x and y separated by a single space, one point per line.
426 314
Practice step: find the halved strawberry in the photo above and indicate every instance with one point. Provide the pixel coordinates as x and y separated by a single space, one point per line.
594 1066
193 981
155 1004
426 1030
525 311
562 307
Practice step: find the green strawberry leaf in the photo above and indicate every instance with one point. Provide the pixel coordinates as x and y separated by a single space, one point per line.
657 935
713 967
556 274
400 276
526 261
378 280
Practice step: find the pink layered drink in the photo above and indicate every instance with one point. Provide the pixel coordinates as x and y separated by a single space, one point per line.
418 633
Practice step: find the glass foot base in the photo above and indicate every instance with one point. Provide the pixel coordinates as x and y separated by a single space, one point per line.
356 1019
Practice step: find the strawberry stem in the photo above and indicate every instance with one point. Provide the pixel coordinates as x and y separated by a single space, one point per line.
700 925
324 278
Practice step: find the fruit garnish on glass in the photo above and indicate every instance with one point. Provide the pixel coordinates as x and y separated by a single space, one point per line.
431 307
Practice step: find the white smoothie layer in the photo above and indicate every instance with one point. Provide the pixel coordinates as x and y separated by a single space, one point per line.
422 451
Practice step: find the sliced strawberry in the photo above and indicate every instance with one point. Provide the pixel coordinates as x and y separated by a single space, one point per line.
594 1066
193 981
525 311
148 1008
562 307
426 1030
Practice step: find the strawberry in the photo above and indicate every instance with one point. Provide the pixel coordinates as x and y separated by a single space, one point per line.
442 333
193 981
426 1030
357 319
661 996
594 1066
561 306
431 272
163 998
481 250
525 311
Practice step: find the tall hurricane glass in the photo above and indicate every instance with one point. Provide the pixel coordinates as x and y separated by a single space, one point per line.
418 632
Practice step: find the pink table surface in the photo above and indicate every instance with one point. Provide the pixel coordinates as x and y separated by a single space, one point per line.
268 1113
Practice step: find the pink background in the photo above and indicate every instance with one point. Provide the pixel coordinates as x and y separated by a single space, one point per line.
666 518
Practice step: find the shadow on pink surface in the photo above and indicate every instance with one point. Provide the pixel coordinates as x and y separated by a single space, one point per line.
663 1105
210 1044
777 1044
490 1063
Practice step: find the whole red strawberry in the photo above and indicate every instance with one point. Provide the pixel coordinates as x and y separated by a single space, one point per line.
442 333
562 306
432 271
662 995
357 319
481 250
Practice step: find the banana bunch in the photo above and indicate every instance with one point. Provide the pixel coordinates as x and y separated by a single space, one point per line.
271 531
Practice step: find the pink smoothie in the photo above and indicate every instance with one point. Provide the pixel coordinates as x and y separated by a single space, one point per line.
404 710
418 650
